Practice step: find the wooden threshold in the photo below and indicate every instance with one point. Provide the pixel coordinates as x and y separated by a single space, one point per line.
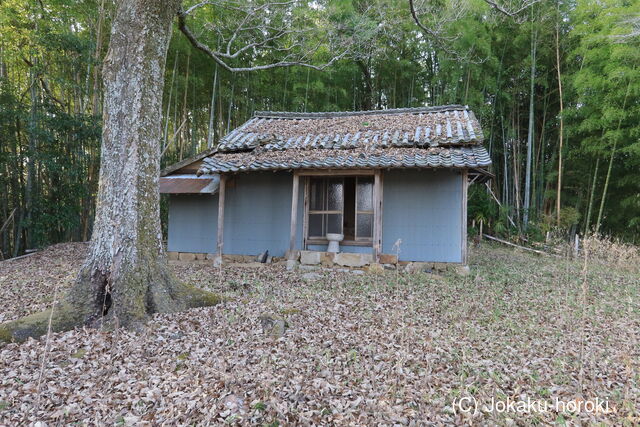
334 172
343 243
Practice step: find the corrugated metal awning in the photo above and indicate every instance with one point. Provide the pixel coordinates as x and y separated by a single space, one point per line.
189 184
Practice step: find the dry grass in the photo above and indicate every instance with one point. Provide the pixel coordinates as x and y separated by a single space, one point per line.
361 350
608 251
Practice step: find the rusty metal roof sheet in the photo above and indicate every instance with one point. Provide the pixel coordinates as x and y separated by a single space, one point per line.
429 137
189 184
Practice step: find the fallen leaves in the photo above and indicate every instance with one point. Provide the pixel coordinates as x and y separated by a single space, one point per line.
391 348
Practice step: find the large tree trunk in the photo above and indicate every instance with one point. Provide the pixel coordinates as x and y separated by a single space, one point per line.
125 277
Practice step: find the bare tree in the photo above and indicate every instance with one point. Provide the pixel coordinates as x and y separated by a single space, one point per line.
433 19
125 277
265 28
423 13
512 8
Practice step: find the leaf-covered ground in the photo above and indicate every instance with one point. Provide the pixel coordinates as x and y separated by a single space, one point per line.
360 349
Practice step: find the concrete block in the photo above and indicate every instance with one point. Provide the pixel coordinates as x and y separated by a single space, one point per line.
173 256
187 256
353 259
388 259
310 257
201 257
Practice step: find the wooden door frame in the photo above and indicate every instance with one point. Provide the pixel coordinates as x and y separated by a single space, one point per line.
377 174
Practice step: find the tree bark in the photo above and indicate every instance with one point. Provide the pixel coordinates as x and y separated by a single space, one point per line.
125 277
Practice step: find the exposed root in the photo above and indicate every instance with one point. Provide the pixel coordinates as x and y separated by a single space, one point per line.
97 300
65 317
195 297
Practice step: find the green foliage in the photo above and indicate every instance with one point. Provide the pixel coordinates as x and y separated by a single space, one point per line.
50 80
481 206
605 117
50 137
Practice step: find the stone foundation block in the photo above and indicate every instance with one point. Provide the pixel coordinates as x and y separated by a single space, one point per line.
187 256
352 259
388 259
310 257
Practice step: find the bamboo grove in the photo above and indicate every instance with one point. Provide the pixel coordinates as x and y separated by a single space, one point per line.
557 90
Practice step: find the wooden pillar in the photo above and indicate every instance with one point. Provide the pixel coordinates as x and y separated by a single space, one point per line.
377 215
465 185
221 194
305 214
294 215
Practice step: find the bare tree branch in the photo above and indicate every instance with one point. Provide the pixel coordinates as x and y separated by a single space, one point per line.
424 28
259 31
511 13
438 33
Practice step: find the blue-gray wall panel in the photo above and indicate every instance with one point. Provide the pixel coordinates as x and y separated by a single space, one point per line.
256 217
257 214
192 223
424 210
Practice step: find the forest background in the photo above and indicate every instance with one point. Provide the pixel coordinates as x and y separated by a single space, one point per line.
557 90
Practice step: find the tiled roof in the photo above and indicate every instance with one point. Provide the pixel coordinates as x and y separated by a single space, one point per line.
430 137
460 157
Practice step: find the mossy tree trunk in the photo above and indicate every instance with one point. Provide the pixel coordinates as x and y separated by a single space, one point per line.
125 277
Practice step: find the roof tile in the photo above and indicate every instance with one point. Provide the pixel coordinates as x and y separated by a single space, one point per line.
448 136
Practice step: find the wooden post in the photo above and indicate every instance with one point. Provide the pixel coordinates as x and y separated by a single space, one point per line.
377 215
294 214
305 215
465 185
221 194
